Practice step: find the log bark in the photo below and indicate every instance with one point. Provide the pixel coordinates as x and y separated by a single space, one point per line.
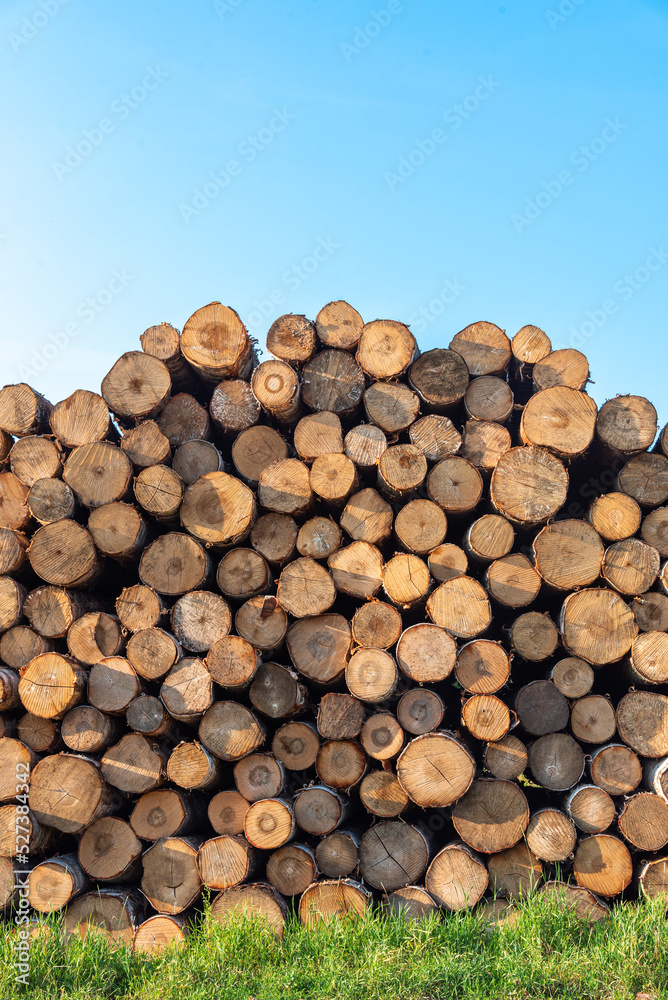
216 345
340 716
292 338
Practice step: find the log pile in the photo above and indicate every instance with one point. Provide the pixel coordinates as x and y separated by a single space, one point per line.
349 625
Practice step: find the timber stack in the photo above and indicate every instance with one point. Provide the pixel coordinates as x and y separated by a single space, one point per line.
349 626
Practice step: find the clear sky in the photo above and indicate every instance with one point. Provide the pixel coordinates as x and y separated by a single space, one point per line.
432 162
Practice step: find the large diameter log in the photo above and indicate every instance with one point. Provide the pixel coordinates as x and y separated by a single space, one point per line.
319 810
98 473
225 861
616 769
135 764
291 869
603 865
259 776
113 914
371 676
337 325
193 767
401 470
593 719
68 792
218 510
332 380
318 434
293 338
367 517
23 411
456 878
216 345
269 823
573 677
426 653
591 808
435 436
187 690
382 795
33 458
643 821
173 564
51 684
492 816
227 812
642 722
14 510
87 730
285 487
528 485
391 406
615 516
171 880
461 606
276 387
296 745
54 883
160 932
365 444
230 731
560 419
256 448
357 570
152 652
626 424
183 419
597 626
276 691
386 349
482 667
326 901
423 765
341 764
318 538
514 873
393 855
556 761
419 711
109 851
257 901
645 478
374 624
484 347
506 758
163 341
94 636
551 835
568 554
305 588
541 708
112 685
631 566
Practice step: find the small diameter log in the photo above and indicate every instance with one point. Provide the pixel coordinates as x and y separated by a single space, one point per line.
192 767
276 388
113 914
615 516
226 861
14 510
337 855
593 719
573 677
276 691
152 652
159 933
423 764
392 855
401 470
12 596
227 812
374 624
357 570
274 536
193 459
528 485
64 555
87 730
216 345
109 851
603 865
319 810
626 424
234 407
483 443
411 903
164 341
218 510
259 776
529 345
513 581
19 830
550 835
367 517
650 611
541 708
489 398
338 325
391 406
139 608
82 418
420 526
68 792
135 764
486 717
41 735
230 730
318 538
653 878
296 745
591 808
136 387
258 900
256 448
655 776
18 646
386 349
159 490
112 685
584 903
460 605
534 636
94 636
365 444
242 573
305 588
484 347
148 715
9 690
54 883
187 690
199 619
556 761
13 547
33 458
98 473
118 530
565 367
291 869
406 580
560 419
597 626
482 667
285 487
616 769
645 478
51 684
568 554
426 653
642 722
325 901
171 880
492 816
515 873
490 537
333 478
341 764
506 758
173 564
446 562
340 716
654 530
51 610
456 879
16 761
292 338
631 566
455 485
23 411
269 824
440 377
262 622
644 821
232 662
419 711
382 795
435 436
371 676
332 380
146 445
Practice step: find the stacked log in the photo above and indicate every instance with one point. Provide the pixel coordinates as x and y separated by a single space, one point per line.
351 625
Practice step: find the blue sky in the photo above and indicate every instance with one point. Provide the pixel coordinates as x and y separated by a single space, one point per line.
435 163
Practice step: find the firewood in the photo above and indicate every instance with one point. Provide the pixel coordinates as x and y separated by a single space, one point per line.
135 764
550 835
489 537
357 570
371 676
14 510
12 597
262 622
325 901
391 406
269 823
626 424
291 869
114 914
365 444
337 854
113 684
146 445
573 677
492 816
455 485
341 764
98 473
541 708
615 516
393 854
13 547
160 932
305 588
216 345
653 878
456 879
292 338
159 491
603 865
232 662
597 626
373 624
556 761
258 900
19 644
174 564
277 692
119 531
482 667
515 872
440 377
274 536
489 398
319 810
568 554
171 880
642 722
242 573
318 434
193 767
654 530
339 325
483 443
152 652
401 470
259 776
9 689
69 793
94 636
318 538
649 610
412 902
591 808
148 715
64 554
87 730
199 619
419 711
513 581
256 448
332 380
367 517
528 485
593 719
333 479
406 580
225 861
187 690
109 851
234 407
41 735
506 758
276 387
486 717
436 437
643 821
227 812
631 566
385 349
447 561
420 526
34 457
23 411
296 745
460 605
164 342
285 487
51 684
340 716
15 758
561 419
54 883
38 838
426 653
382 795
645 478
534 636
616 769
139 608
193 459
230 730
423 764
484 347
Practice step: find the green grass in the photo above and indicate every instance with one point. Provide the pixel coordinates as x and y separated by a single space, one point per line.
547 953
